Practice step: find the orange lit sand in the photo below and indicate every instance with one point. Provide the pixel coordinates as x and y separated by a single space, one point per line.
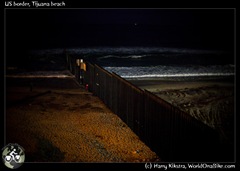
68 125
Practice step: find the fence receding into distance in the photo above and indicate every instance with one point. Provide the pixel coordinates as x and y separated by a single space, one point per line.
173 134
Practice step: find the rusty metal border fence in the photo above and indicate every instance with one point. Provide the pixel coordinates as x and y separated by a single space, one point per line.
173 134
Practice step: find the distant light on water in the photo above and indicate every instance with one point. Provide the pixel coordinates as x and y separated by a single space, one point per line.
39 76
42 74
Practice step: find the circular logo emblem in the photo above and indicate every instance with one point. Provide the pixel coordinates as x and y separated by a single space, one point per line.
13 156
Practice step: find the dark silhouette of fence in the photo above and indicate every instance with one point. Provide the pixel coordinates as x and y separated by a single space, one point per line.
173 134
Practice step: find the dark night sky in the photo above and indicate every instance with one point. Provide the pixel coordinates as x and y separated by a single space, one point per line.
60 28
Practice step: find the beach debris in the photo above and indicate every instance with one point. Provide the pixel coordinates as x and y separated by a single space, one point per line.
136 151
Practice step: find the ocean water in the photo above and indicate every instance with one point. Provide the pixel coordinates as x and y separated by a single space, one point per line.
152 62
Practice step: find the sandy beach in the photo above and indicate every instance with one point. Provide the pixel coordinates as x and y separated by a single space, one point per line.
210 101
56 120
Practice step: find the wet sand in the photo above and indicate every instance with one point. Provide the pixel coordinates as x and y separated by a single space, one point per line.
55 120
210 101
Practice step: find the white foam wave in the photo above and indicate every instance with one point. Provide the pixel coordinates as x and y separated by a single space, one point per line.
136 56
178 75
172 71
121 57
